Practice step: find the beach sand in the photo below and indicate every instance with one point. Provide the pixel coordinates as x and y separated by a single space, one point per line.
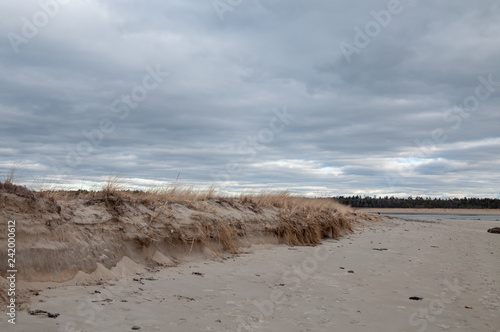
361 282
455 212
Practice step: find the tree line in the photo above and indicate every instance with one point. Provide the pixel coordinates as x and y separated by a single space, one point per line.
420 202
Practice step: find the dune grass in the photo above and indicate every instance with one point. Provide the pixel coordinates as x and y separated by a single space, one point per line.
302 221
305 221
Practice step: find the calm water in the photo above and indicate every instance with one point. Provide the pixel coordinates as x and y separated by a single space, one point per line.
444 216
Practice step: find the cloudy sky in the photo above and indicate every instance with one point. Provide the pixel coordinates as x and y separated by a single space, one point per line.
320 97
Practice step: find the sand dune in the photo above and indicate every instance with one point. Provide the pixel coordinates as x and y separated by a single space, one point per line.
100 236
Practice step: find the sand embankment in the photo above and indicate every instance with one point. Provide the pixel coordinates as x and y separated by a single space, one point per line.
109 236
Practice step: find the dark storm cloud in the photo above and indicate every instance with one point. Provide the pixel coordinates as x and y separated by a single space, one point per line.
80 100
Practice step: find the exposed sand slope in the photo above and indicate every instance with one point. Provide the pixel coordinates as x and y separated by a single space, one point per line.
450 263
80 241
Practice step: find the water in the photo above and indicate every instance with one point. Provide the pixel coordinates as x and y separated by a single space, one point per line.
443 216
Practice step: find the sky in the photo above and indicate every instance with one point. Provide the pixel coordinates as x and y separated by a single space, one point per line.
322 98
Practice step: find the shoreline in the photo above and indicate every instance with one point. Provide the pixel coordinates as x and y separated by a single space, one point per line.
414 211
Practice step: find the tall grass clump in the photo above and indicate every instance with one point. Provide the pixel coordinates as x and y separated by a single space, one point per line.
305 221
8 183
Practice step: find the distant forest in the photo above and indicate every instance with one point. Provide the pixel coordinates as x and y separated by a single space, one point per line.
420 202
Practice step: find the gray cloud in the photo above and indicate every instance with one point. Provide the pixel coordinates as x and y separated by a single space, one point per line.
390 121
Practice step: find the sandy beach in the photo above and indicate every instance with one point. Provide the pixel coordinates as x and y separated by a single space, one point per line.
362 282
